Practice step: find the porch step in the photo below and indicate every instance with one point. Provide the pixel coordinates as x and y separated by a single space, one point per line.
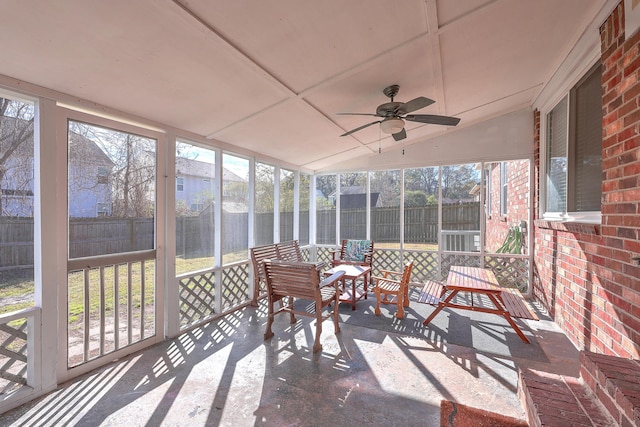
616 383
554 400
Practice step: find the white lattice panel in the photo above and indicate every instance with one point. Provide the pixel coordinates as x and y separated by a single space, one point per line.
425 265
511 272
235 285
197 296
13 356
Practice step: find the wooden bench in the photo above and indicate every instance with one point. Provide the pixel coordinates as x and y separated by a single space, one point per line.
290 280
258 255
431 292
289 251
284 251
512 298
516 304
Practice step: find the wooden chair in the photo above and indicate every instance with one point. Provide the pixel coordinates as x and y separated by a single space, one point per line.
393 284
354 252
301 280
289 251
258 255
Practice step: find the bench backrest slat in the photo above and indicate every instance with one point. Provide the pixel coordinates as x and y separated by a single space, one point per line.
296 279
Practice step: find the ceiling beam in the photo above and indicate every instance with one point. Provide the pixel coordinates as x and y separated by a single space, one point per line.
433 40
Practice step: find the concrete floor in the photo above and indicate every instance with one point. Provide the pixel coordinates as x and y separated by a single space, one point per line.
226 374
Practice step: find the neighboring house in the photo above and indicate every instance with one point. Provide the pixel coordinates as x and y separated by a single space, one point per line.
89 178
195 180
354 197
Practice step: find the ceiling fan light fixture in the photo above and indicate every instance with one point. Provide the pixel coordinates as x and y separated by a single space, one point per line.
392 125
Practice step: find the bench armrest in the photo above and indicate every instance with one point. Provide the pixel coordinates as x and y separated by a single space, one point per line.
378 279
331 280
388 273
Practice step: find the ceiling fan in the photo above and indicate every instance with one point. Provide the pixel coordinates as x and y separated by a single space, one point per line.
395 113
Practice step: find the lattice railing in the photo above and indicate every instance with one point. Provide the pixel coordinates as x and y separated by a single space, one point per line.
197 297
306 254
17 350
323 254
511 271
449 259
386 259
425 265
235 285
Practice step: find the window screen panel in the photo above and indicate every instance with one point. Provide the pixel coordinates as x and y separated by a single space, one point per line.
588 144
557 158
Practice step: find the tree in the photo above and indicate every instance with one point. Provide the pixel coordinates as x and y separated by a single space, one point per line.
16 154
264 188
423 179
132 177
458 180
414 199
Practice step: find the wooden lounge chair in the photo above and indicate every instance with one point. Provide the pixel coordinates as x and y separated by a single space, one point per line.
258 255
289 251
301 280
354 252
396 284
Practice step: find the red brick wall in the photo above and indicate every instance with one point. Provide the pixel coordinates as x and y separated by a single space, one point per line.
517 203
585 274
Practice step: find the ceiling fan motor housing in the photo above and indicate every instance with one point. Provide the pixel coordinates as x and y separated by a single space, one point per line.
388 109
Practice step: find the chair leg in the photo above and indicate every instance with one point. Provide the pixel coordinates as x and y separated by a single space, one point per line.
316 345
406 297
268 333
378 297
336 315
292 316
256 293
400 311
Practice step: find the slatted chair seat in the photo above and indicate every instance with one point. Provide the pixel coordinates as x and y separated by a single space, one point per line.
291 280
394 284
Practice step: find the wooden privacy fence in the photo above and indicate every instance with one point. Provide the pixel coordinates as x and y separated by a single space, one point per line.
420 223
195 235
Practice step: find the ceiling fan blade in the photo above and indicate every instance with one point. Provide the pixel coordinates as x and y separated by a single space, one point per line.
360 128
433 119
400 135
357 114
414 105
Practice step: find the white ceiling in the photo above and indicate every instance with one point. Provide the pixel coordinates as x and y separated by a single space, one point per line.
270 75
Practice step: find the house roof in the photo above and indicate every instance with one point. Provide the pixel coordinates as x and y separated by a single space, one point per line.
83 148
191 167
268 77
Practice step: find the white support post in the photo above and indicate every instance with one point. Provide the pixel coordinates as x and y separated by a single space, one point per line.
50 242
368 207
252 205
401 218
276 204
337 238
296 205
172 287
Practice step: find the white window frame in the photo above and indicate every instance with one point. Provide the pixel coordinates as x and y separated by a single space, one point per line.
179 184
592 217
503 189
